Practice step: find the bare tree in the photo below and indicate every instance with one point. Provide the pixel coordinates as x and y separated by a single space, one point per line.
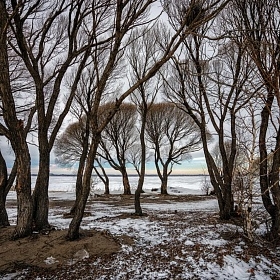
128 15
118 138
246 168
211 92
173 136
102 174
258 22
15 131
60 41
142 53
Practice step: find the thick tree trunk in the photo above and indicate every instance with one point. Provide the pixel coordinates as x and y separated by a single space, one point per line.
126 185
40 195
227 207
23 189
164 180
4 221
107 188
163 187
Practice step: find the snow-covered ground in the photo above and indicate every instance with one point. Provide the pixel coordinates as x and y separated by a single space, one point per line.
172 242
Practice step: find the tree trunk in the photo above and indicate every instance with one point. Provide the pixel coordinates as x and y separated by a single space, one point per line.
137 204
40 195
222 189
164 180
23 189
81 200
4 221
17 136
82 161
275 218
126 185
264 174
163 187
275 188
227 208
106 186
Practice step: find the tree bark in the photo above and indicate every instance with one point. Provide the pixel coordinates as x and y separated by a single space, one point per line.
17 135
126 185
82 163
4 221
40 195
23 189
265 182
81 200
137 203
164 179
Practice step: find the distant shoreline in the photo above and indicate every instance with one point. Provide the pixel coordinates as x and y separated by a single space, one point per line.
131 175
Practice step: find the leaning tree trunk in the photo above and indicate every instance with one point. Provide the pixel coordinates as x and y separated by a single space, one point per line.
81 200
4 221
40 195
79 178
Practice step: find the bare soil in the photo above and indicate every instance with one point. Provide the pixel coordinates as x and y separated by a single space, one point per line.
35 250
49 255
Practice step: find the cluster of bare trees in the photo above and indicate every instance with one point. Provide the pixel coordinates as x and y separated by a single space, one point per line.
171 135
217 67
63 47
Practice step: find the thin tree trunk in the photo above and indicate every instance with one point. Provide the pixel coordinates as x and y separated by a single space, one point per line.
81 200
137 204
79 181
264 177
82 161
103 177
